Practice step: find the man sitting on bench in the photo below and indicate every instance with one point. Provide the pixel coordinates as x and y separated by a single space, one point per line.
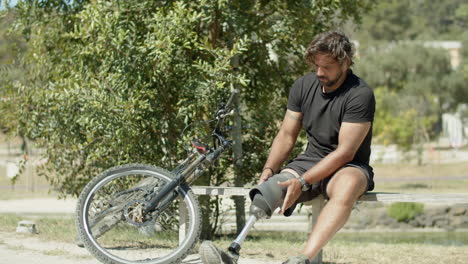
336 109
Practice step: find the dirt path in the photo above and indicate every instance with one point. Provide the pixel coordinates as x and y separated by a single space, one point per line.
18 256
22 248
38 205
25 249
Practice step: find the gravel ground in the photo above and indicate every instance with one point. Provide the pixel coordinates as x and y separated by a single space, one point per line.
20 256
22 248
39 205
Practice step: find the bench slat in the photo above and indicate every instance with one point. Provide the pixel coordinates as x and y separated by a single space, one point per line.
437 198
221 191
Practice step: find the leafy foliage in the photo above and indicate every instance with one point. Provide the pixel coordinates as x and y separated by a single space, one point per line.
404 212
414 84
113 82
402 123
11 44
396 20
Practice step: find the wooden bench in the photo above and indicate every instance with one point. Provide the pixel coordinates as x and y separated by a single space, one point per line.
319 202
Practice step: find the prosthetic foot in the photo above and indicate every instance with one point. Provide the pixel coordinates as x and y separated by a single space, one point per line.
210 254
265 199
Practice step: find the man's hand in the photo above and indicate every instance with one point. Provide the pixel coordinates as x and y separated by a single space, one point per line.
266 174
292 194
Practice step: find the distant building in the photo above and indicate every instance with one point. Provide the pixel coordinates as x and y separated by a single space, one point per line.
453 47
454 130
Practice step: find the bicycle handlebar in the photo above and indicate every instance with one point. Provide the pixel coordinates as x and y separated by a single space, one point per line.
207 154
225 110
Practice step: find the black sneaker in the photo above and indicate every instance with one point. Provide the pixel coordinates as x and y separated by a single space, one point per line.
301 259
210 254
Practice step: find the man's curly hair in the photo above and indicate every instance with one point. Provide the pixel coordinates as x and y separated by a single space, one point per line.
334 43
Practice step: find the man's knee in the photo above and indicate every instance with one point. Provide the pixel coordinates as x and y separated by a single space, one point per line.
347 185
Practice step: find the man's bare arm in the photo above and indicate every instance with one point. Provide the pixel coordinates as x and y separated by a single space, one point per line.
350 139
283 143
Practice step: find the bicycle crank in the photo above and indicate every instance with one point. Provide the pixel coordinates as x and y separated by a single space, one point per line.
134 213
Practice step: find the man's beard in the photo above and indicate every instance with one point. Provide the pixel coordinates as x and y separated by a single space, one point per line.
325 82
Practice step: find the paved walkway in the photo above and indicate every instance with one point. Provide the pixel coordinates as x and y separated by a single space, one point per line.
39 205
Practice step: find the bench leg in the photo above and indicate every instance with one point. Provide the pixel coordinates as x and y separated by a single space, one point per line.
183 222
317 205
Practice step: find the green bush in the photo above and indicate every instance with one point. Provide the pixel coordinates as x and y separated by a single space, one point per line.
404 212
115 82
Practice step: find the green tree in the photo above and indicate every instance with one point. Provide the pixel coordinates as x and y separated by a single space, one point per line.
11 45
464 53
115 82
397 20
386 21
414 85
441 19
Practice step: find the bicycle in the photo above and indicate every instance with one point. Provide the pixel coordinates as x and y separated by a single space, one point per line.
140 213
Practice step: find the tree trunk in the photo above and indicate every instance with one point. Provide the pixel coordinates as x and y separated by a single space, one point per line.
206 209
239 201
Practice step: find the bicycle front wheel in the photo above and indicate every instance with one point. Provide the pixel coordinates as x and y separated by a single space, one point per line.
112 226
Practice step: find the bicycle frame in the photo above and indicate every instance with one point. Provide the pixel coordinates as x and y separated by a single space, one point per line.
147 198
192 167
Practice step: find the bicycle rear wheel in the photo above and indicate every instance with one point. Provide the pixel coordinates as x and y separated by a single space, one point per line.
112 227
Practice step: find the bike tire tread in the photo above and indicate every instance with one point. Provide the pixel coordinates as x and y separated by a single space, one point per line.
85 192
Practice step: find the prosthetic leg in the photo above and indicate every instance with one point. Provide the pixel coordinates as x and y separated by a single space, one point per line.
258 210
265 199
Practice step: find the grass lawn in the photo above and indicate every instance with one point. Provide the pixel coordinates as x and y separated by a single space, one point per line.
57 228
426 186
360 247
344 248
411 171
363 253
354 247
434 178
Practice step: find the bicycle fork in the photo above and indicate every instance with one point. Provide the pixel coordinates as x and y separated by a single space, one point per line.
164 197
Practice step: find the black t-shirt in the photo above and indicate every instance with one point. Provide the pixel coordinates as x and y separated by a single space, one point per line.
352 102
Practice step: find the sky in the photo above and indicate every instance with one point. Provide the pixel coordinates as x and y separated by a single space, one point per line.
12 3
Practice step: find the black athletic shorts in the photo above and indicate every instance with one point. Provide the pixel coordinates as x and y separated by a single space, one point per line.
303 163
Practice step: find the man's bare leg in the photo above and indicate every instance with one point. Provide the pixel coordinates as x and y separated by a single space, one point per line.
344 189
